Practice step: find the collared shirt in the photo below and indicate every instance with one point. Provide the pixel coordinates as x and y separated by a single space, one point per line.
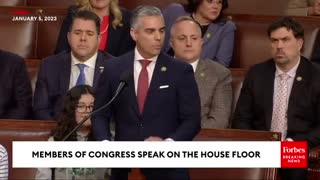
3 163
194 65
137 67
88 71
291 73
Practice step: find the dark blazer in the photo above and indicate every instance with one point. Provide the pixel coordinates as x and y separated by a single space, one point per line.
53 83
119 40
172 112
255 104
15 87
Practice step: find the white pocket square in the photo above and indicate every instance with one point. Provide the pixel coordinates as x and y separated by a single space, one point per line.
164 86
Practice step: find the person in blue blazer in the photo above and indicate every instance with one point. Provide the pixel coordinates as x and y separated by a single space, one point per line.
218 31
166 109
61 72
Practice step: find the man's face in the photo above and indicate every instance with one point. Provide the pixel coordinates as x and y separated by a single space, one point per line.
149 35
285 48
83 39
186 41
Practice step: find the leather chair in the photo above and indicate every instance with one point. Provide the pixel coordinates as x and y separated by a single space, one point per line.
238 76
48 31
13 3
33 66
23 130
270 7
253 45
17 36
234 173
161 4
50 3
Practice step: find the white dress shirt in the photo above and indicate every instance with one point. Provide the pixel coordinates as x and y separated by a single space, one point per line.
194 65
88 70
292 73
137 67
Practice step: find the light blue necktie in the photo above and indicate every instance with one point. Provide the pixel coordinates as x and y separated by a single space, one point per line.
81 78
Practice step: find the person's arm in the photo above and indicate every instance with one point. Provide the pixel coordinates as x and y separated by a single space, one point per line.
313 136
188 106
101 120
4 172
226 44
220 109
42 106
127 43
22 95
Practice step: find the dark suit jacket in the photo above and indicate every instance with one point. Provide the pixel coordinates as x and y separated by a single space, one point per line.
119 40
15 87
172 112
255 104
53 83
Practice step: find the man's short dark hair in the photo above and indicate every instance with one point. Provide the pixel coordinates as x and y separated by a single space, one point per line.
288 23
86 15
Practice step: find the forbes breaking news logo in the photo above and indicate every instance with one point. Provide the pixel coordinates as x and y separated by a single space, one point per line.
294 154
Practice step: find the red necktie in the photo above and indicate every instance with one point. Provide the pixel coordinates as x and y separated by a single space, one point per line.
143 84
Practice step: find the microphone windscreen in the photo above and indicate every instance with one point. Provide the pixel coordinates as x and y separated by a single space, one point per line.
126 77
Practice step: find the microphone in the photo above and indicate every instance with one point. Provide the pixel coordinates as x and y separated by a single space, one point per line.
123 83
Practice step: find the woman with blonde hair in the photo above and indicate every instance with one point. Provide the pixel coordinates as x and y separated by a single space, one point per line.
114 28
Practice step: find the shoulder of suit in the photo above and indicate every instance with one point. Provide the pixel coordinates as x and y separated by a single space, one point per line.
10 58
215 66
105 55
263 65
56 58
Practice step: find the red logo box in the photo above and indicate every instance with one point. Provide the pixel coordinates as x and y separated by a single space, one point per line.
294 154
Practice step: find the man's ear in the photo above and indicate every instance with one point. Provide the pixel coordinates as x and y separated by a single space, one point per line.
68 36
300 42
170 42
133 33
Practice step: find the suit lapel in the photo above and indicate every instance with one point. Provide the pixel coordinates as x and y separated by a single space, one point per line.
268 89
157 77
211 31
131 86
200 71
65 73
98 69
113 37
298 83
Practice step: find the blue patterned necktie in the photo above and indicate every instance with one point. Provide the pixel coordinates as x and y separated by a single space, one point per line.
81 78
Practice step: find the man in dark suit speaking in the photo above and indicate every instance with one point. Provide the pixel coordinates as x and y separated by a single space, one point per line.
161 101
59 73
283 93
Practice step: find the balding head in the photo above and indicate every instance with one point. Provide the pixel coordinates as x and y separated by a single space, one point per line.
185 39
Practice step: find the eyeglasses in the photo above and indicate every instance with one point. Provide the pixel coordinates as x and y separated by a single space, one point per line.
219 2
84 108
